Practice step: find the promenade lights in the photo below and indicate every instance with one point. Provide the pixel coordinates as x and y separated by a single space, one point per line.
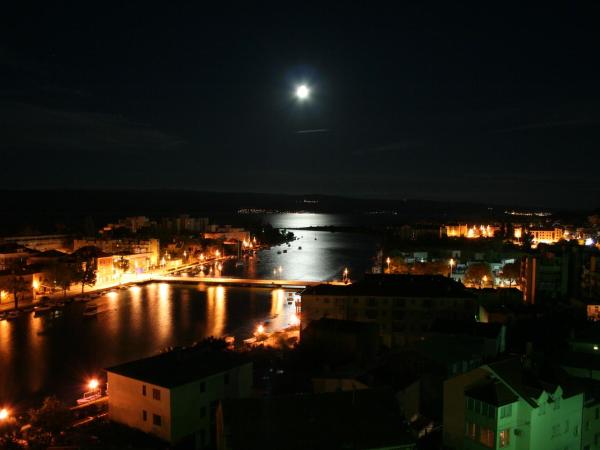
451 266
260 329
4 414
388 261
93 384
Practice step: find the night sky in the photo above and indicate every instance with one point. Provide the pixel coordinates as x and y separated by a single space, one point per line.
466 102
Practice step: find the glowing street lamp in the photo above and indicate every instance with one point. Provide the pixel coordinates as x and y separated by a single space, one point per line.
260 329
4 414
484 279
451 266
346 274
388 261
93 384
280 269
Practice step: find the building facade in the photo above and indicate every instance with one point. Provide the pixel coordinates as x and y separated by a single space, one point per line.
502 406
174 395
404 306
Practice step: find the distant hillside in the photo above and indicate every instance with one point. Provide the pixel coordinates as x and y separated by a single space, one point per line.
44 210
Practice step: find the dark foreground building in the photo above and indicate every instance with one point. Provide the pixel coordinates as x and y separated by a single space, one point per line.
362 419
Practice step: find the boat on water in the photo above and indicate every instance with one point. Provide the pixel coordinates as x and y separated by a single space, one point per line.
285 251
299 248
12 315
90 311
279 252
42 309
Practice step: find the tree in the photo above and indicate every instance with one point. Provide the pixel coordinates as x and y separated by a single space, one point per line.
476 272
85 271
122 264
526 240
53 416
15 284
63 274
512 272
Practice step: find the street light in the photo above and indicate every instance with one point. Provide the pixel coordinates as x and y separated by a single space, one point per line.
346 274
93 384
4 414
451 266
484 279
388 261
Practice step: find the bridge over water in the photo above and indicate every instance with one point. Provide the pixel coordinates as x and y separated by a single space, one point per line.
246 282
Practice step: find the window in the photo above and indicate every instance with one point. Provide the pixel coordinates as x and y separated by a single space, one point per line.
486 437
156 420
203 387
226 378
505 438
156 394
471 430
144 415
506 411
144 390
470 404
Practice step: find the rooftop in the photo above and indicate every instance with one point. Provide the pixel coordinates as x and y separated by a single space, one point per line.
358 419
180 366
492 392
395 285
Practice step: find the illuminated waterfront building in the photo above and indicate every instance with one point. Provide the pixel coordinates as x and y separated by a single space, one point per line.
471 231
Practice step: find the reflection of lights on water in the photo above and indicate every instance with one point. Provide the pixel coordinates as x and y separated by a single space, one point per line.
277 300
112 295
215 310
135 289
163 291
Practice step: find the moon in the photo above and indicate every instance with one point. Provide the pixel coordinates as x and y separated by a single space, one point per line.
302 92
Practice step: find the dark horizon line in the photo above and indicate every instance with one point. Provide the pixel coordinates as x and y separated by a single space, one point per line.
553 210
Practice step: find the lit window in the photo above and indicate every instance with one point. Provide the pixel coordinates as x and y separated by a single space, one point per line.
505 438
156 394
486 437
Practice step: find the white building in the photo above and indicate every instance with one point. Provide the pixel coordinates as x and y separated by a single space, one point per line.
174 395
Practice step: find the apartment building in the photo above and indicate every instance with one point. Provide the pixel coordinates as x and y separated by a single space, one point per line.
174 395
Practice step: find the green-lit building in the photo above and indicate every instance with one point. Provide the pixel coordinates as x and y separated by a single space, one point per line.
505 405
